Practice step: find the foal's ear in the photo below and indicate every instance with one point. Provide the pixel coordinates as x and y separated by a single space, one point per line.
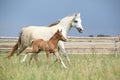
61 30
58 30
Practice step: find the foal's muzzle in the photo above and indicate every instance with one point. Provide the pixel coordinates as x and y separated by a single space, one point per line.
64 40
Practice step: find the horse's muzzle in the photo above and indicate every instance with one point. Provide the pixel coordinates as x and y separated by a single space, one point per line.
80 30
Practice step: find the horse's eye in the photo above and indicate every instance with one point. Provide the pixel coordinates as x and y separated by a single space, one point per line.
75 21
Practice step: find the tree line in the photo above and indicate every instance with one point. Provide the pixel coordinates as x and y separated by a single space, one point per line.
100 35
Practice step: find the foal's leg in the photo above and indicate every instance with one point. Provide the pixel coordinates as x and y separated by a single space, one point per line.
27 52
61 49
31 57
36 56
48 59
35 51
59 58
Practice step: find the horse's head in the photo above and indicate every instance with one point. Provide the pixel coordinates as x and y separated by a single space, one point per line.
76 22
60 36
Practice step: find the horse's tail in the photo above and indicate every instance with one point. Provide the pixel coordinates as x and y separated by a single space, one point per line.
15 47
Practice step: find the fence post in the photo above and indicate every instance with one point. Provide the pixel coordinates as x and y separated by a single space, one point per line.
117 45
119 37
116 48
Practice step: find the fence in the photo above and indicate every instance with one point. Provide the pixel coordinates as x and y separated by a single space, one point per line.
77 45
91 45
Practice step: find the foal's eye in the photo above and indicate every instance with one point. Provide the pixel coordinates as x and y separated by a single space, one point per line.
75 21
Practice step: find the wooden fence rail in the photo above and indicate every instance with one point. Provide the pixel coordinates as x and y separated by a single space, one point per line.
76 45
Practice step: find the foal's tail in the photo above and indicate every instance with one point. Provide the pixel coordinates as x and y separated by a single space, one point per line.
30 50
32 42
15 47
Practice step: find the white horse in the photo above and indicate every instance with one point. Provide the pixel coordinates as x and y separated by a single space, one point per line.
36 32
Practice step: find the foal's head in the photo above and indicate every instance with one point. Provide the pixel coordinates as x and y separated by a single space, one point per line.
59 35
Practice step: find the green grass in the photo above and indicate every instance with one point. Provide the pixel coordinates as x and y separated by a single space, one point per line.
84 67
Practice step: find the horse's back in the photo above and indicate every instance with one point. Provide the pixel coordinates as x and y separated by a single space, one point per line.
34 28
40 32
37 32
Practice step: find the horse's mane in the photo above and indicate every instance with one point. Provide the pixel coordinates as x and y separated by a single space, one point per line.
57 22
53 24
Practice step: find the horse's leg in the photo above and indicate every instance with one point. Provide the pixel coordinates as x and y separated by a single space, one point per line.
22 48
23 60
61 49
27 52
59 58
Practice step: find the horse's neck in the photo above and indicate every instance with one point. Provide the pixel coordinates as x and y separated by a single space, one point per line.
53 40
66 26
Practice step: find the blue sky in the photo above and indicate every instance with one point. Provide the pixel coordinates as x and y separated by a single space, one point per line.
98 16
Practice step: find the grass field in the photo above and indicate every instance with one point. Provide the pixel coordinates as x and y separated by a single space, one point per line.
84 67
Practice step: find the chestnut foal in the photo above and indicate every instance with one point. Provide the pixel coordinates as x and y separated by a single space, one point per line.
50 46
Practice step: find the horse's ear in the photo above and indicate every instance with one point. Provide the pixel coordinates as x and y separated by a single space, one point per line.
75 15
78 14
